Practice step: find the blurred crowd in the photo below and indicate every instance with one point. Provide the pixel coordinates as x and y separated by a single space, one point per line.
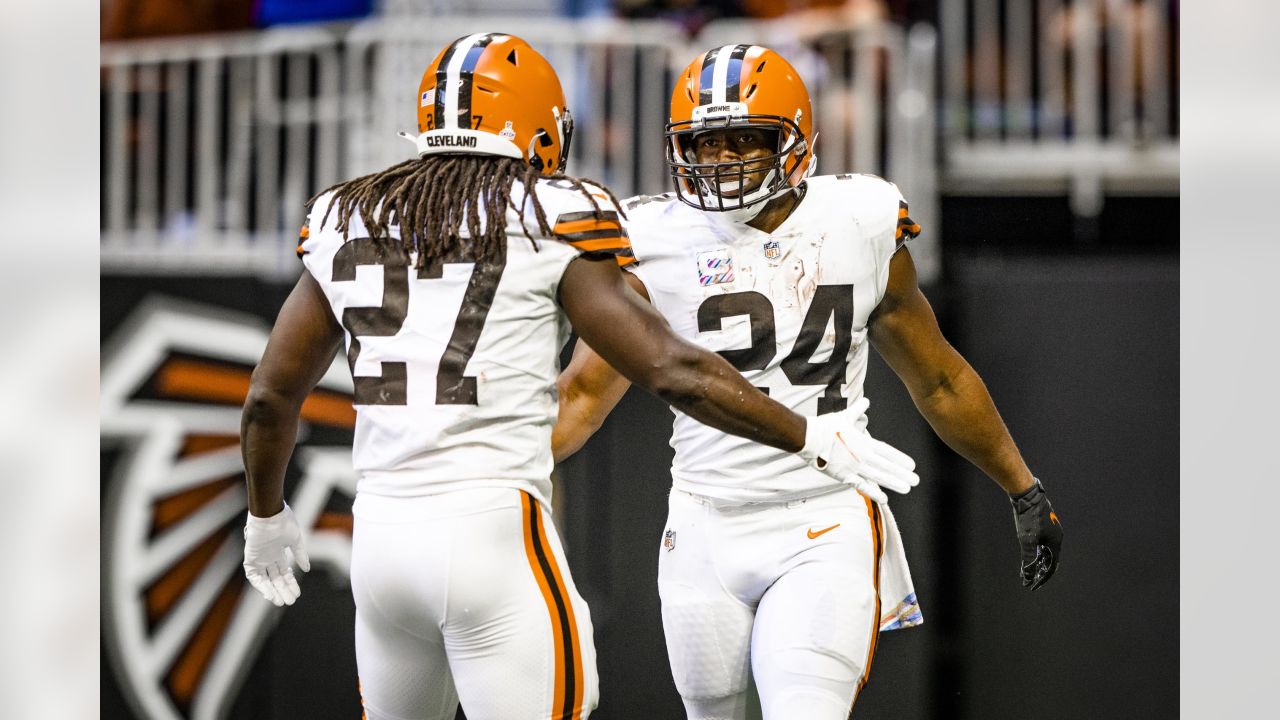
693 14
126 19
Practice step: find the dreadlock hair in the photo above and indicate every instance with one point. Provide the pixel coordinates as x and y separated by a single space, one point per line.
430 197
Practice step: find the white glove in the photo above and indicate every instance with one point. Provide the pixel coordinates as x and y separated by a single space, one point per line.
270 547
835 445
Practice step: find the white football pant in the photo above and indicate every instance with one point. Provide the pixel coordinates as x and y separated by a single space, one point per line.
787 591
467 595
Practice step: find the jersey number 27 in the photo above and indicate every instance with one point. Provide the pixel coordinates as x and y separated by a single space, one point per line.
452 387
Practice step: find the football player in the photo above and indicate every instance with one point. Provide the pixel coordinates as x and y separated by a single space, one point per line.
449 277
766 565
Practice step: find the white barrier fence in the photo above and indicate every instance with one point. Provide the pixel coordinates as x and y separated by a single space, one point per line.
1054 95
212 145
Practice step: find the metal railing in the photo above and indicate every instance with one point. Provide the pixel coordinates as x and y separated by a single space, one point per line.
1054 95
212 145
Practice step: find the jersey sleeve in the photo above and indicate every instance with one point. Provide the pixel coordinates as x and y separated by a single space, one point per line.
311 239
908 229
891 229
303 235
593 231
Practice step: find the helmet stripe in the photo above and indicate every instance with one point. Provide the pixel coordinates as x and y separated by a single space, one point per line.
451 103
466 74
442 75
705 83
733 90
720 75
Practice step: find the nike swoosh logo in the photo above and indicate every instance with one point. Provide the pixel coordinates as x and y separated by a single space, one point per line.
846 447
813 534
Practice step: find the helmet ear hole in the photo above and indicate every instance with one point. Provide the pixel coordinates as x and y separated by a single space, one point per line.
540 140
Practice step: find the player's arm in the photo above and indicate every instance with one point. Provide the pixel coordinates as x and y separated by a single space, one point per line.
299 351
632 337
945 388
955 402
589 389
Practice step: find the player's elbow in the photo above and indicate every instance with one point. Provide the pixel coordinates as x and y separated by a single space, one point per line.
266 404
678 376
578 420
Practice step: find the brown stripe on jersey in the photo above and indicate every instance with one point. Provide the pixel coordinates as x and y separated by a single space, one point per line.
593 232
303 234
877 548
566 702
607 246
624 256
587 215
906 226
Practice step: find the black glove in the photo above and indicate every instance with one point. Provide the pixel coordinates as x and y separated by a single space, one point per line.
1039 535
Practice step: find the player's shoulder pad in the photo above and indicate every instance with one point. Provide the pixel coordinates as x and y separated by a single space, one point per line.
868 185
654 220
876 198
649 204
656 214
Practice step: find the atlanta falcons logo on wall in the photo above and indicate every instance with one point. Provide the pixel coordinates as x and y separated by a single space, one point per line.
180 623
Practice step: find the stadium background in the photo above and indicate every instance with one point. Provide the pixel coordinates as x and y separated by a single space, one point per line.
1037 142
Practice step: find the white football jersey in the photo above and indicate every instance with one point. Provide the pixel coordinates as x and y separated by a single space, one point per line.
455 365
788 309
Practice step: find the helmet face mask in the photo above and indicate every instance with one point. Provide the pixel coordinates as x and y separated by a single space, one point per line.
734 87
723 185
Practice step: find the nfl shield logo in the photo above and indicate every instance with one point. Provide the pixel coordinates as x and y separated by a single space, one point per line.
669 540
772 250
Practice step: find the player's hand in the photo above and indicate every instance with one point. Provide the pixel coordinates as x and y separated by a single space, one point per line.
1039 535
836 445
271 545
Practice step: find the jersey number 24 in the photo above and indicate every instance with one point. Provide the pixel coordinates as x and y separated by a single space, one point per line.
828 301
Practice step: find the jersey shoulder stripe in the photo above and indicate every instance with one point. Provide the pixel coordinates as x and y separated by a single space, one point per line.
592 231
303 235
907 228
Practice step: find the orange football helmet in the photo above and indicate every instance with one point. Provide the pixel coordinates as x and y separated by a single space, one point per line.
493 94
739 86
